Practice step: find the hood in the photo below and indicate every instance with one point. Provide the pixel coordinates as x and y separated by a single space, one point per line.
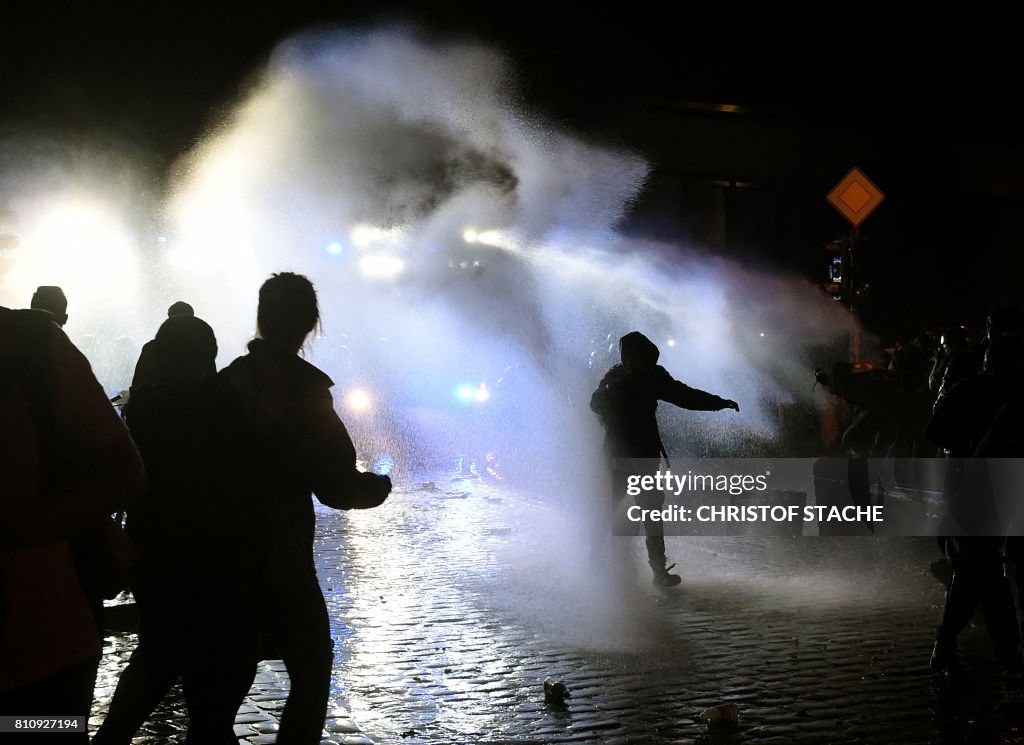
636 350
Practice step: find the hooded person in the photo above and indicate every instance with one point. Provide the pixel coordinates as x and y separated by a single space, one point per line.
149 366
51 299
626 401
177 528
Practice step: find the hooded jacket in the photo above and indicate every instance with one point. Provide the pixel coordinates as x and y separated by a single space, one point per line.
627 398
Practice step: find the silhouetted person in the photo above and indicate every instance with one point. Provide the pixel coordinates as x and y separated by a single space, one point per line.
960 422
180 308
67 463
292 445
626 401
89 563
879 402
911 365
171 416
1005 436
955 359
148 363
51 299
1004 440
967 357
877 399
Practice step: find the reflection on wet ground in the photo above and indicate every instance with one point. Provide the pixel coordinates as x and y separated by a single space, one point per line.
454 601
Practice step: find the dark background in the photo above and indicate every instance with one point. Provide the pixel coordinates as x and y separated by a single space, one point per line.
928 103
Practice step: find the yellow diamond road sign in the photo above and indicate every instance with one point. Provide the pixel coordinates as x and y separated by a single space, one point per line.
855 197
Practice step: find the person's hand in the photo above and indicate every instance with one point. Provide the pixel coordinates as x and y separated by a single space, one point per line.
373 489
730 404
380 486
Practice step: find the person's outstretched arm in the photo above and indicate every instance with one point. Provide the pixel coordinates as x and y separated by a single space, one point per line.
679 394
337 482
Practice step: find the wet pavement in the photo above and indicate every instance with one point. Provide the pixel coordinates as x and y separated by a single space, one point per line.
453 602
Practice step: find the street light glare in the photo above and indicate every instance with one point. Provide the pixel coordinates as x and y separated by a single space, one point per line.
83 247
358 401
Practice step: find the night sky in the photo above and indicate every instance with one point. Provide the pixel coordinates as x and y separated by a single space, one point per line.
156 76
156 73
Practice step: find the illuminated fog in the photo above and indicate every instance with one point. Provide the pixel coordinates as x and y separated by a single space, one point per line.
472 284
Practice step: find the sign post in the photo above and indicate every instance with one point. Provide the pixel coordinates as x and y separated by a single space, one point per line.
855 197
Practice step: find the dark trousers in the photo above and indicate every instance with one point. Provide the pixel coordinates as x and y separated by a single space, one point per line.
290 623
654 530
157 661
298 630
220 670
69 693
978 580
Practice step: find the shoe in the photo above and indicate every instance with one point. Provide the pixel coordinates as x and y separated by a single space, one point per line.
662 578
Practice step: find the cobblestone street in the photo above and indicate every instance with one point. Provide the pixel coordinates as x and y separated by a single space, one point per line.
453 603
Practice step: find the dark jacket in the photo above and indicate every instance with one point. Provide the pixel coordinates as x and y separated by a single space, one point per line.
867 390
627 398
180 520
66 462
963 416
290 444
1005 436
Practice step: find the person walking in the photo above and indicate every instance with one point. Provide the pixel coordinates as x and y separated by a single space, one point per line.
626 402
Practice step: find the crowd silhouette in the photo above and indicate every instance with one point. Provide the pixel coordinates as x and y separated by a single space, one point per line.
216 473
959 400
208 461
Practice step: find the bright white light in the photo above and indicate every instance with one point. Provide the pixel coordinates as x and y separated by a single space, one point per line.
381 267
362 235
671 342
358 401
762 334
84 248
467 393
334 248
371 236
494 238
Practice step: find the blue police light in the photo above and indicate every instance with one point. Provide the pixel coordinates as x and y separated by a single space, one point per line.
383 465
